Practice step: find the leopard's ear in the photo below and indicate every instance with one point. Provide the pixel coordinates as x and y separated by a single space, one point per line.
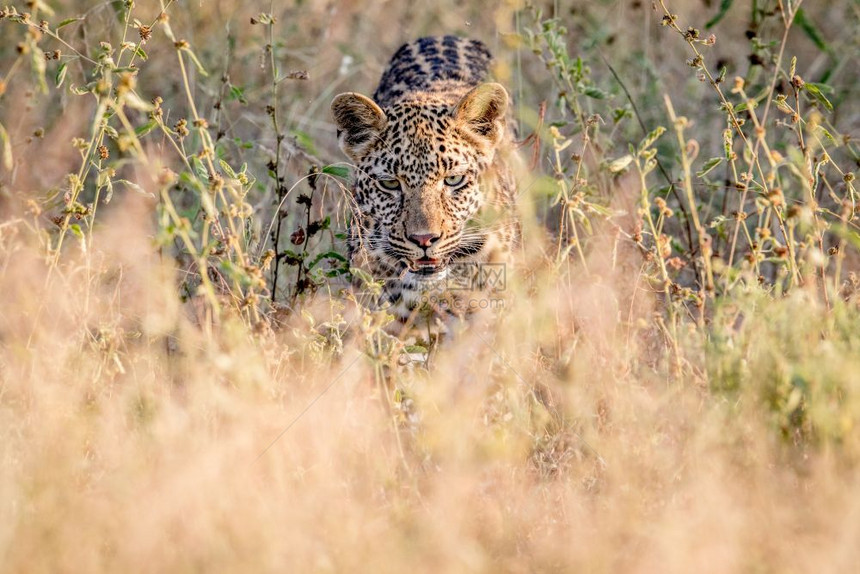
481 113
359 122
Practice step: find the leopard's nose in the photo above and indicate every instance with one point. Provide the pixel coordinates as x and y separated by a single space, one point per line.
423 239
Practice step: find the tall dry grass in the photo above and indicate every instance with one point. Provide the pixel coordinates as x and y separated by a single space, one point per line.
669 387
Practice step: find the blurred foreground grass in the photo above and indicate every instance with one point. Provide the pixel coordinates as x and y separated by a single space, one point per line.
672 385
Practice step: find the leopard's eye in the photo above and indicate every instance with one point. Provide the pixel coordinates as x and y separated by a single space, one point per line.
454 180
389 184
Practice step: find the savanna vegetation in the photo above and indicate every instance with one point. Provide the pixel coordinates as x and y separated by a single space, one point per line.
187 382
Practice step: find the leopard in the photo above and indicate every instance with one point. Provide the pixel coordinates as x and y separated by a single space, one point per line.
433 191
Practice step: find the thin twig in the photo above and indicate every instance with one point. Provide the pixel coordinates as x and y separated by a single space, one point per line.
645 131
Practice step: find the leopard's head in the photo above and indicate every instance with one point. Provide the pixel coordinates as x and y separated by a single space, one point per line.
420 167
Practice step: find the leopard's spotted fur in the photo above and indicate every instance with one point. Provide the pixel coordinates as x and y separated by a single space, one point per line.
416 221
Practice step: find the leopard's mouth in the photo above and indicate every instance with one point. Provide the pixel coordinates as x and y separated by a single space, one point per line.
427 265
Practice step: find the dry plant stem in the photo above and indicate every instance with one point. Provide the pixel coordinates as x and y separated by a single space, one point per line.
126 20
704 69
707 276
849 207
12 69
846 218
198 125
208 153
202 262
787 19
152 24
376 347
570 214
754 164
277 161
840 258
566 213
127 387
55 36
280 205
671 334
740 217
77 185
182 228
181 223
655 233
672 187
813 203
301 266
91 220
777 209
787 22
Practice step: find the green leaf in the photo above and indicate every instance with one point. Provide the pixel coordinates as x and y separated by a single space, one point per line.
336 272
593 92
754 101
619 114
724 9
827 135
141 131
817 92
651 138
242 144
290 257
237 93
37 63
199 168
111 131
104 177
620 164
368 283
824 88
326 255
60 76
337 171
709 165
81 90
227 169
67 21
119 10
200 69
811 31
306 141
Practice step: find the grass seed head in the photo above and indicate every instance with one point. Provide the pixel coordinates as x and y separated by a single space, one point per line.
181 128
